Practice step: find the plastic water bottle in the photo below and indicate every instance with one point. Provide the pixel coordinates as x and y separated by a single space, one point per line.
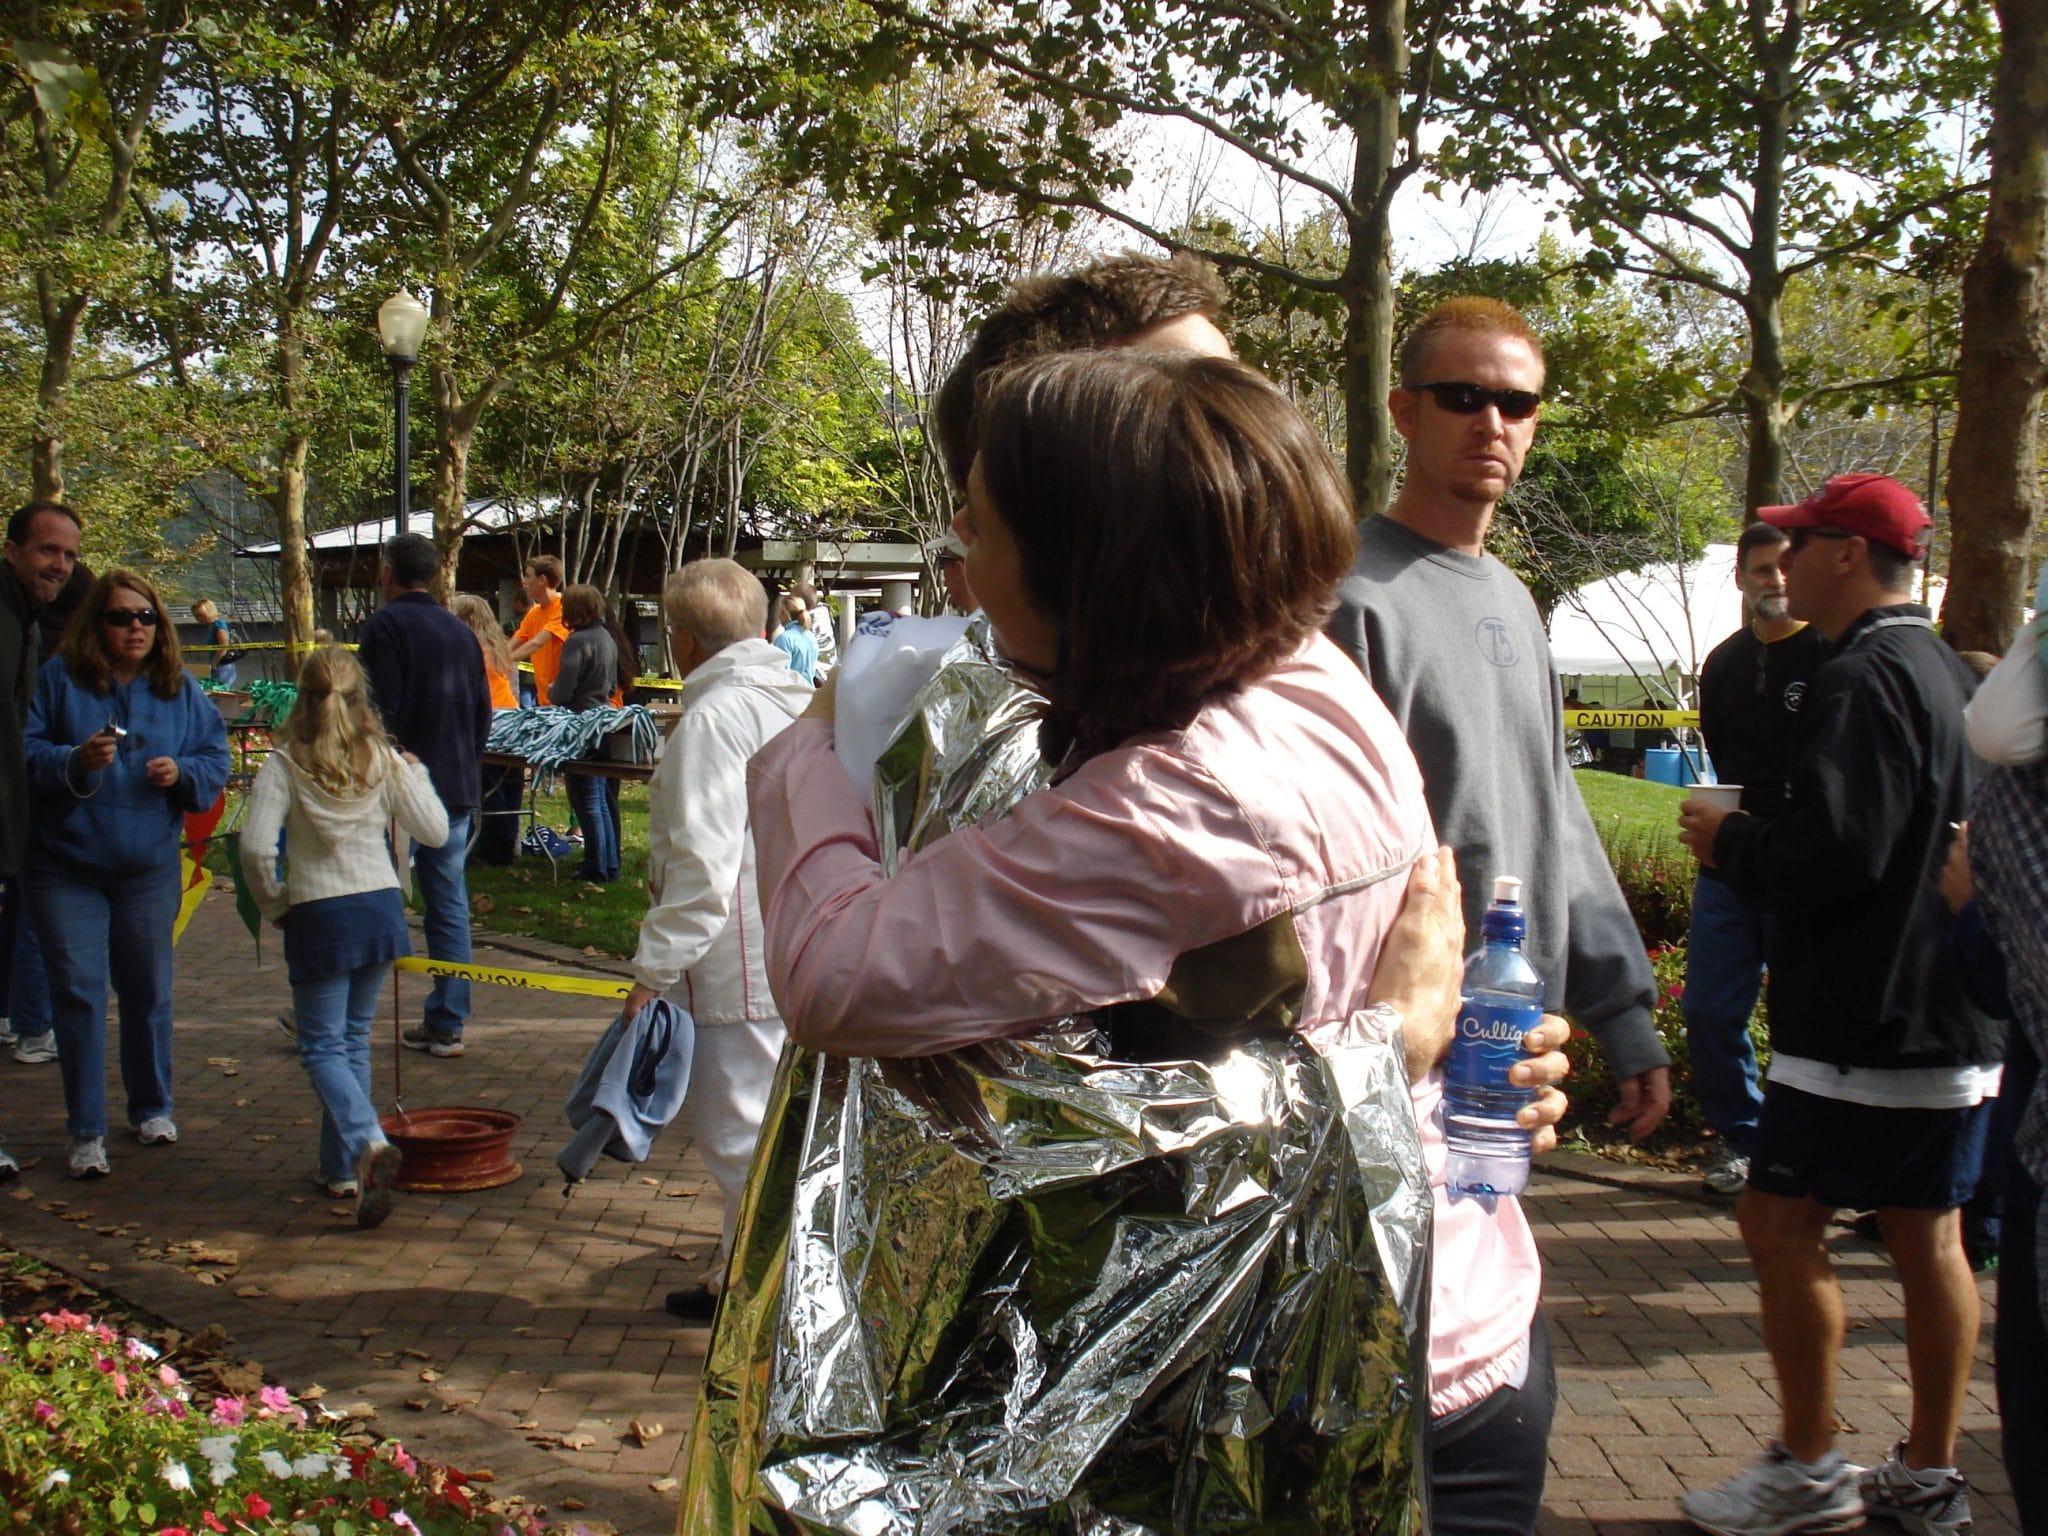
1503 1001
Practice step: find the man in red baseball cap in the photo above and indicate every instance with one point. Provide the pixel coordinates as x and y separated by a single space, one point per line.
1879 1055
1873 507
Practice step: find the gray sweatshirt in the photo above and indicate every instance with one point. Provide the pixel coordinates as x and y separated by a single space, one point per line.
1454 646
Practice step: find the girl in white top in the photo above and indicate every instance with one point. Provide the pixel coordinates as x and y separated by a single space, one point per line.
334 788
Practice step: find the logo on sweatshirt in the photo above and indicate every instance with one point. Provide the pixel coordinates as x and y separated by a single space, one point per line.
1795 694
1497 642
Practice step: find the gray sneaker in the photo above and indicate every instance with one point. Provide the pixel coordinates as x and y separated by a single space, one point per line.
1779 1495
88 1157
1931 1502
1727 1171
31 1050
433 1042
156 1130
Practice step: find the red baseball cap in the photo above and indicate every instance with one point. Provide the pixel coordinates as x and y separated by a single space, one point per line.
1875 507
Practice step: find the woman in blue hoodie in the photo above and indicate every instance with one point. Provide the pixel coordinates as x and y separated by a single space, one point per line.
120 745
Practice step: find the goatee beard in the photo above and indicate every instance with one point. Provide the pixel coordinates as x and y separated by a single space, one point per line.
1772 610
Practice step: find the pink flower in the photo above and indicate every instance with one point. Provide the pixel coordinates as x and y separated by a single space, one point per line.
135 1349
257 1505
167 1376
120 1384
44 1412
157 1403
174 1530
276 1399
228 1411
103 1365
212 1521
402 1461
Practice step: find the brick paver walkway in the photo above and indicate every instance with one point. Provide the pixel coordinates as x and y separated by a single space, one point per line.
521 1332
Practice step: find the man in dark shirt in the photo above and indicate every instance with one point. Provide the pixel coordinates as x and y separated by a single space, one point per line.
1750 690
1878 1053
426 674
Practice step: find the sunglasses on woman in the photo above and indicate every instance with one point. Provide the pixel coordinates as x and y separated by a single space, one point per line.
1470 399
128 618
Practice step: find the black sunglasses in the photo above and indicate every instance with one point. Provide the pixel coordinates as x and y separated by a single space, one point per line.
1470 399
128 618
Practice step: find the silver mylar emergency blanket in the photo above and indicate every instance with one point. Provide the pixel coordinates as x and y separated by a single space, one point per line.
1025 1287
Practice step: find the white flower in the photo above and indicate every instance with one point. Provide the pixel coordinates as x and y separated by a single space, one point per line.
275 1464
304 1528
221 1472
310 1466
219 1447
56 1477
174 1473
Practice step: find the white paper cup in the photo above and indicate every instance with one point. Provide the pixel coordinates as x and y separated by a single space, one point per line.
1727 796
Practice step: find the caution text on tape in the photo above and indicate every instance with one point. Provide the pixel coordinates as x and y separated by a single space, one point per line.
1628 719
532 981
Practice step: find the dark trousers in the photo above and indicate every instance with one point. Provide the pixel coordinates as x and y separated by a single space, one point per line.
497 836
2020 1344
1487 1464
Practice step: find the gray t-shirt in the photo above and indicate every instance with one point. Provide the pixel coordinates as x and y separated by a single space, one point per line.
1454 646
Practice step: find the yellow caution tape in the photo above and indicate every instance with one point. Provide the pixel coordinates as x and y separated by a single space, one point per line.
1628 719
532 981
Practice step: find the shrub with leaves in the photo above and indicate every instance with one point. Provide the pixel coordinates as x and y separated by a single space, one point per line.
101 1436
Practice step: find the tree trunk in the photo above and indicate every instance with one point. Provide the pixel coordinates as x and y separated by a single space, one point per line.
294 570
1994 486
451 493
1763 384
60 346
1369 267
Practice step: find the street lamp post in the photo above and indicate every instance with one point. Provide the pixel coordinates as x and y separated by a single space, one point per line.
401 326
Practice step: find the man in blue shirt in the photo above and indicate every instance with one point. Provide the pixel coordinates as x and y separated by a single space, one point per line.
426 674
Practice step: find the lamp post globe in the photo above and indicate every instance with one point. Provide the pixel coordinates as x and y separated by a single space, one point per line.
401 327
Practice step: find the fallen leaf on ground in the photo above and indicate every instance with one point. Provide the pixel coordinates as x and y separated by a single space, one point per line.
205 1276
646 1434
205 1253
454 1404
360 1411
416 1354
654 1183
228 1066
263 1136
663 1485
527 1424
246 1292
430 1375
418 1404
573 1505
590 949
578 1442
313 1394
99 1268
483 904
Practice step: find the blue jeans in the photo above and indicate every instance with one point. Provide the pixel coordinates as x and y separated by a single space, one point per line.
600 836
334 1015
1724 966
24 989
444 892
224 673
97 929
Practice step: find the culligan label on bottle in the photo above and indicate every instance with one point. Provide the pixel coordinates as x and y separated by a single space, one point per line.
1489 1042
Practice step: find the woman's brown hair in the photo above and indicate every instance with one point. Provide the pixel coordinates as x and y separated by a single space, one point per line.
582 605
85 651
1177 521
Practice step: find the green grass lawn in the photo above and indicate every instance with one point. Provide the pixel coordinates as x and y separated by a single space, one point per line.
1631 806
520 898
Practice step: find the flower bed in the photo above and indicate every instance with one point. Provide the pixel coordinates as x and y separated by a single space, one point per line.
100 1435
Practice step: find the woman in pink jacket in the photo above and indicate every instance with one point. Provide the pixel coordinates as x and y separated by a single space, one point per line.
1156 539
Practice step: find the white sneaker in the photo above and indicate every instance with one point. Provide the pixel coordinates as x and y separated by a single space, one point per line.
6 1031
31 1050
1934 1501
1779 1495
1727 1172
10 1170
156 1130
88 1157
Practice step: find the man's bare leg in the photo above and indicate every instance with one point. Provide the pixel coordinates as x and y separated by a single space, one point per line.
1802 1312
1941 1326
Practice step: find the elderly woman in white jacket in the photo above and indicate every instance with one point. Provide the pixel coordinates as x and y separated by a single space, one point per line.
700 943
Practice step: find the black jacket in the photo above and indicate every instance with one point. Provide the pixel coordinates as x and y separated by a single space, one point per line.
20 649
1860 967
426 675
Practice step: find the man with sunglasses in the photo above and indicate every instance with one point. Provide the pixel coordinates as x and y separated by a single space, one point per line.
1454 645
1751 685
1879 1054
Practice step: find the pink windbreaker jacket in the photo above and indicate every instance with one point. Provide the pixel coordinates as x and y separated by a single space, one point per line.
1266 845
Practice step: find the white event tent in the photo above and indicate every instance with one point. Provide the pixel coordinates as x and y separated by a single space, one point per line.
1654 626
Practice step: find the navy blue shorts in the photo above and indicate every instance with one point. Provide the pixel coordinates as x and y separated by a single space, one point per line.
1859 1157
